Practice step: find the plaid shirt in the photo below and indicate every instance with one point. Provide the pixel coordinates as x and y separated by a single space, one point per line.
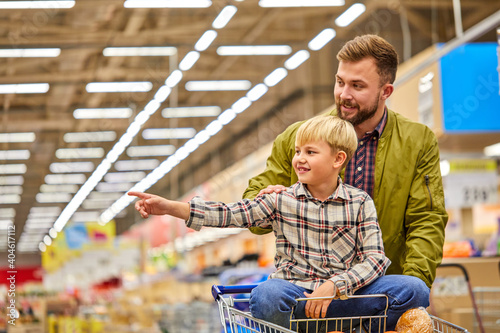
360 171
338 239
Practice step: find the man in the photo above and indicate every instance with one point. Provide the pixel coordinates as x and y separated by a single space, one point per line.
397 160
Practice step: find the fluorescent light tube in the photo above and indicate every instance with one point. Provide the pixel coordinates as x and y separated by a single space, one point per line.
257 92
241 105
322 39
350 15
103 113
104 136
85 216
275 77
173 79
120 177
189 60
192 111
45 210
10 199
139 51
228 85
301 3
67 153
11 180
30 53
24 88
76 178
51 4
158 150
131 165
23 154
167 3
224 17
7 213
69 167
114 187
17 137
97 87
12 189
493 150
225 118
205 40
13 168
296 60
241 50
168 133
45 188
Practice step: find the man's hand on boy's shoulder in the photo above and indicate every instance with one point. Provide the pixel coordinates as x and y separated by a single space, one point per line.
272 189
317 308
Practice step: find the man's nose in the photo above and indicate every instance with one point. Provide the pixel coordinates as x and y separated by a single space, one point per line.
345 93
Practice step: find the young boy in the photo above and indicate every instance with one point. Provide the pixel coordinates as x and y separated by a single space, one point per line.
326 231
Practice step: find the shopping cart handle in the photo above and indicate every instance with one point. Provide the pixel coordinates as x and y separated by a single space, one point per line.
459 266
237 289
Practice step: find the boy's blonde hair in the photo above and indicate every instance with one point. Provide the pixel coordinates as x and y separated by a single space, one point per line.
339 134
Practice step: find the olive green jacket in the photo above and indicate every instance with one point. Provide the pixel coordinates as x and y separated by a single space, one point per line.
408 193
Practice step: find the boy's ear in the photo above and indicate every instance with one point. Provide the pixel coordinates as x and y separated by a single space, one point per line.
339 159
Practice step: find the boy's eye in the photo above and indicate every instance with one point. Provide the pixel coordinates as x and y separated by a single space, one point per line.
310 152
297 152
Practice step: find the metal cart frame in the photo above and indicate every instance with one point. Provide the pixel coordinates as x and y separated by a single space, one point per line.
237 321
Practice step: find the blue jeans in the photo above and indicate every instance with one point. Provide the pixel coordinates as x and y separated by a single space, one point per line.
274 300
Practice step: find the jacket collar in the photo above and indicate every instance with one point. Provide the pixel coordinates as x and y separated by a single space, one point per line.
300 190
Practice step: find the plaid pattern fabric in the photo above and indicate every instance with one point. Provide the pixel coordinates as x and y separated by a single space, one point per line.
360 171
315 241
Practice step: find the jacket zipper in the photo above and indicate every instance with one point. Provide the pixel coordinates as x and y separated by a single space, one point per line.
428 189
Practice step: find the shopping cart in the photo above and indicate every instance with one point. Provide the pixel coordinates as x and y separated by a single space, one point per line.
237 321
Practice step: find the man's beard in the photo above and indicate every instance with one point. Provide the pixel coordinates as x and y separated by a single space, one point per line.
361 116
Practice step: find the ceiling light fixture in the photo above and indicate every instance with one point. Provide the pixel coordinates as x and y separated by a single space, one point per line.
322 39
243 50
301 3
23 154
7 213
104 136
13 168
275 77
191 111
113 187
24 88
493 150
71 167
224 17
350 15
257 92
53 197
103 113
168 133
139 51
11 189
173 79
76 178
167 3
98 87
17 137
30 53
11 180
189 60
228 85
297 59
132 165
51 4
72 153
10 199
121 177
205 40
46 188
143 151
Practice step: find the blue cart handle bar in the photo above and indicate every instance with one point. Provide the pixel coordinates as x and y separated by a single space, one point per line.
239 289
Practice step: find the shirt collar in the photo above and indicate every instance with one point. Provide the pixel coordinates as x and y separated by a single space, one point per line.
377 132
300 190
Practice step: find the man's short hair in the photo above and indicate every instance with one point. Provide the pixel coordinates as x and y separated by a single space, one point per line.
339 134
384 54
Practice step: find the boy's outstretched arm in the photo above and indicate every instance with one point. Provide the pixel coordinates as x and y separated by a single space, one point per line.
150 204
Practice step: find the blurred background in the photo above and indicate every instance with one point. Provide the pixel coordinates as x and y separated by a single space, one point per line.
184 98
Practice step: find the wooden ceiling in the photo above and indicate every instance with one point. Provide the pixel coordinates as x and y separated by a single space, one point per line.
82 32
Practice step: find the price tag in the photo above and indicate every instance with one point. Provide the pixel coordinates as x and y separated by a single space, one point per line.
471 183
